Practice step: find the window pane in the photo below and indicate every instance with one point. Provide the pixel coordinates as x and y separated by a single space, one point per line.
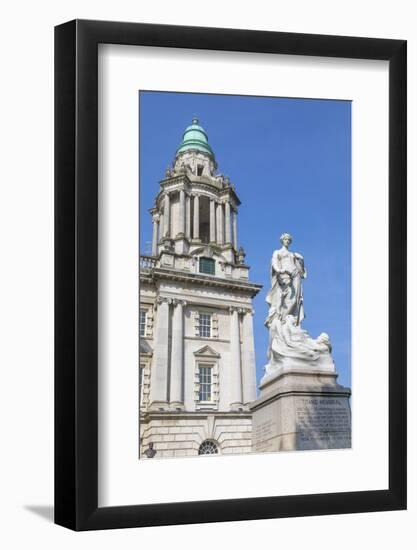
208 448
142 322
205 325
207 266
204 374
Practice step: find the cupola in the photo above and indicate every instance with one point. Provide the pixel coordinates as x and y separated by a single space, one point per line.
195 139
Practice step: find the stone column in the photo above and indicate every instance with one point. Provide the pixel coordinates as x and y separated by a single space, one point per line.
159 370
212 221
188 217
167 217
155 221
161 226
219 224
177 355
235 361
228 235
196 232
235 229
182 213
248 359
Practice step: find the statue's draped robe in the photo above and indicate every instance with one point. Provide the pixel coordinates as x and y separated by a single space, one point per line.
286 294
290 340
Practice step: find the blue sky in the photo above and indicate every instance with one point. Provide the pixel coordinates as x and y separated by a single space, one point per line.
290 161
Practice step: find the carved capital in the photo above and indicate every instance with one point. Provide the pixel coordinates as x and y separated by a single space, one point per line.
178 302
236 309
163 300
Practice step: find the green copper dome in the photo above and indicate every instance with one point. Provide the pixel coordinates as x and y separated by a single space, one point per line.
195 138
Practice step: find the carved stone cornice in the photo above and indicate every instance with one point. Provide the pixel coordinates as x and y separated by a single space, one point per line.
182 181
196 278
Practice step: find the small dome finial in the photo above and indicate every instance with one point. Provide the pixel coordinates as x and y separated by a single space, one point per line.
195 120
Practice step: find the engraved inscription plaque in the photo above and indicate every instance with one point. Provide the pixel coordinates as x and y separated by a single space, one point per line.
323 422
302 411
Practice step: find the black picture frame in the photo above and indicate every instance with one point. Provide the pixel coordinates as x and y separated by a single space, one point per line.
76 272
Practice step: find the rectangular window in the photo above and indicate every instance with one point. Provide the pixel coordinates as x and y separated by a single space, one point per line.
204 327
205 381
207 266
142 322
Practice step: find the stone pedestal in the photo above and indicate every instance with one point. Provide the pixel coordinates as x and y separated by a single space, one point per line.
301 409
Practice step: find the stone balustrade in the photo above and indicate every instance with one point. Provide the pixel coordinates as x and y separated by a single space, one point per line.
147 262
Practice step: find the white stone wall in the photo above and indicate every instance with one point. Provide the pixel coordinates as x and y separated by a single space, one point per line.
182 435
217 302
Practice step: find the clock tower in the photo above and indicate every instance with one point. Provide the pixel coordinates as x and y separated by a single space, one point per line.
197 356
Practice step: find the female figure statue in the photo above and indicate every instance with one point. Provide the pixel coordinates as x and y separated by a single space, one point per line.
289 344
286 294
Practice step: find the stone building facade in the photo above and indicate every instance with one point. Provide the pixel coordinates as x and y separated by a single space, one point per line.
197 356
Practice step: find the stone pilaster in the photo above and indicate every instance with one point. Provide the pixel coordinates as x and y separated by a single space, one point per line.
159 370
177 355
228 232
235 361
248 359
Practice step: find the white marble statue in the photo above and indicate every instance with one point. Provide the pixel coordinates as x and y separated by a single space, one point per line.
289 345
286 294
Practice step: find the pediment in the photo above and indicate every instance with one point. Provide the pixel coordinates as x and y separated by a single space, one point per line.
208 252
207 351
203 251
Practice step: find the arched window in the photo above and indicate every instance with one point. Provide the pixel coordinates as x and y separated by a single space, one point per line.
208 448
